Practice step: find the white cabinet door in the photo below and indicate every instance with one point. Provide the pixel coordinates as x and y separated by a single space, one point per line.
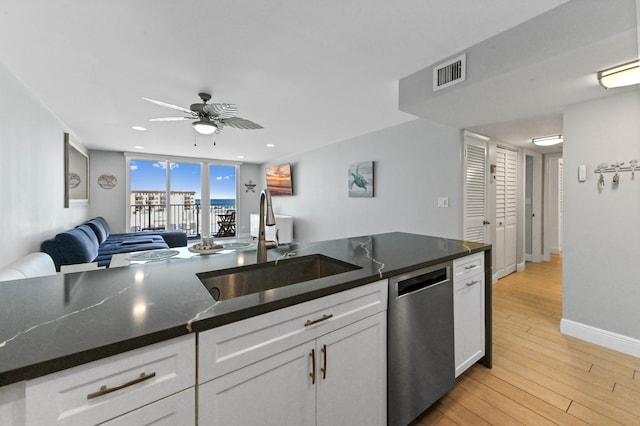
506 187
352 374
468 306
275 391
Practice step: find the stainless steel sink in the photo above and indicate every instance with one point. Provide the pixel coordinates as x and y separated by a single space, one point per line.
235 282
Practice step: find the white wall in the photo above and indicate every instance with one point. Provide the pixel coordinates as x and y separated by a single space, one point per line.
32 172
601 272
414 164
109 203
248 201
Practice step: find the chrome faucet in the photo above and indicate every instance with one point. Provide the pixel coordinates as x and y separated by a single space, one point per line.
263 244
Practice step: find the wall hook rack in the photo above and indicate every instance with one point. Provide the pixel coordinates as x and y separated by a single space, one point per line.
617 168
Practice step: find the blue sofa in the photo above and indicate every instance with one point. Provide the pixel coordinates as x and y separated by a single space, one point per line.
93 242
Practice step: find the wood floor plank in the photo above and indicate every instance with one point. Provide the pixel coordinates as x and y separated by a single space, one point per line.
484 410
618 377
576 390
504 403
524 397
459 413
588 415
541 392
563 367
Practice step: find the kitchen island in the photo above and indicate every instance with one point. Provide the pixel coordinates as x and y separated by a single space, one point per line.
54 323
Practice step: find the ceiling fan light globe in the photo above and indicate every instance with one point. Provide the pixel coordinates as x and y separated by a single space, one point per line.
204 127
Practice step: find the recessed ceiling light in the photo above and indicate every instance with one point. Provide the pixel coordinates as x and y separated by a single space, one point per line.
241 156
139 128
270 145
139 147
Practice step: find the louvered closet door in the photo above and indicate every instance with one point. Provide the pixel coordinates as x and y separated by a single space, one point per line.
506 210
475 190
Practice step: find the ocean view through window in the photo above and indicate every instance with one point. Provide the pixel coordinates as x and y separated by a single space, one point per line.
167 194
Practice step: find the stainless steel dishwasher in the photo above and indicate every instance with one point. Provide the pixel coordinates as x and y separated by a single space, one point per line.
420 354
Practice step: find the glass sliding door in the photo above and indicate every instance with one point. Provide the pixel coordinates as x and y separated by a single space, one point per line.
197 198
222 204
184 197
148 183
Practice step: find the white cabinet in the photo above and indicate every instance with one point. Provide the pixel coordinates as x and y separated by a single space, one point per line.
105 389
468 305
284 225
320 362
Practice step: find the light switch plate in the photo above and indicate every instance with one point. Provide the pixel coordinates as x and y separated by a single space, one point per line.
443 202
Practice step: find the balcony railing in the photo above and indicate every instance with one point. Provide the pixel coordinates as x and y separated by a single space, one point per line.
186 217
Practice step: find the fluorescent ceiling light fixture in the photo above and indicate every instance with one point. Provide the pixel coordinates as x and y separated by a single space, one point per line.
270 145
621 75
204 127
139 147
548 140
241 156
139 128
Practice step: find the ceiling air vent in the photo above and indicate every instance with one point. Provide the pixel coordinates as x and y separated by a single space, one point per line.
448 73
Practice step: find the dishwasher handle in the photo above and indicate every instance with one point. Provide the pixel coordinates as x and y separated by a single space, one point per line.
422 281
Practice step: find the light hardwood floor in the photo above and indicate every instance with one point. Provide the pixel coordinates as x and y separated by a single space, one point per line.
539 376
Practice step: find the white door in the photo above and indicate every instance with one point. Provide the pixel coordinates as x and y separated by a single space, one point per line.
506 210
351 374
475 191
275 391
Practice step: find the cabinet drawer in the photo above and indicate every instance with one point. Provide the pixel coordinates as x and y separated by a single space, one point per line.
464 282
467 266
77 396
175 410
227 348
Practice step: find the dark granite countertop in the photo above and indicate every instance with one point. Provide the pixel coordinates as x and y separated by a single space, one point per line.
51 323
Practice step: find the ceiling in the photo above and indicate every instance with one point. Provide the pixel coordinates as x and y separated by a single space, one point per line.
520 81
312 73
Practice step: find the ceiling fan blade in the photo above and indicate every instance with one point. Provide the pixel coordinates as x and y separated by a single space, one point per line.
221 110
172 118
240 123
164 104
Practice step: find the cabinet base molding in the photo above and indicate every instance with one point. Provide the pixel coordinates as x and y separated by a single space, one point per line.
608 339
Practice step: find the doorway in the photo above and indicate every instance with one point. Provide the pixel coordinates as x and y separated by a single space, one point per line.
533 207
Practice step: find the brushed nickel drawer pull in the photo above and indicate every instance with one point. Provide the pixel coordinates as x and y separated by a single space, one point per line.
470 266
324 318
324 362
313 366
105 390
472 283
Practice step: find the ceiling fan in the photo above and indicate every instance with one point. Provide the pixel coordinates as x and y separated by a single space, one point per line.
209 118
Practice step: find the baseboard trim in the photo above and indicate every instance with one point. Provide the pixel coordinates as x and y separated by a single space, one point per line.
520 267
608 339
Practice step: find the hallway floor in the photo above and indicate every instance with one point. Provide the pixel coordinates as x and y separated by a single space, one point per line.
539 376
